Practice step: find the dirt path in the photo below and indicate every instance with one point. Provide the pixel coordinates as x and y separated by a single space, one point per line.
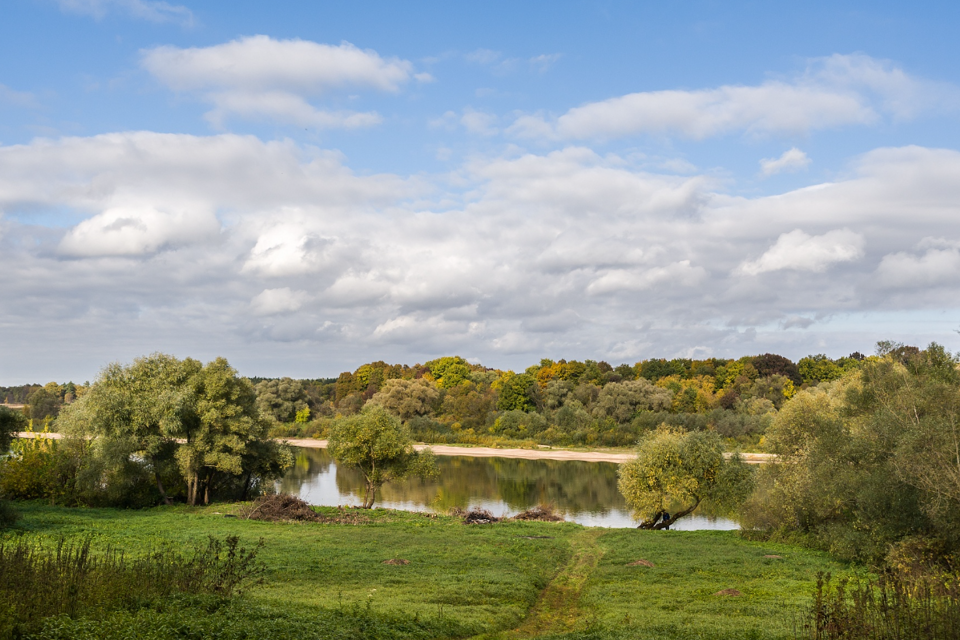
489 452
558 608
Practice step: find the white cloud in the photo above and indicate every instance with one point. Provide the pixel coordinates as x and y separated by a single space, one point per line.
792 160
275 301
136 231
797 250
620 280
835 91
565 254
478 122
936 267
150 10
259 77
284 107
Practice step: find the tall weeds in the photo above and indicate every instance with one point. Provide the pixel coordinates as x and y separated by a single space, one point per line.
71 580
893 607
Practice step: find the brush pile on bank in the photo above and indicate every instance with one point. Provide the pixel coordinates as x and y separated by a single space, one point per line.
280 507
476 516
539 513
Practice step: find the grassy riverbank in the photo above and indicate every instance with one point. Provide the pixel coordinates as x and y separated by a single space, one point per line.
517 579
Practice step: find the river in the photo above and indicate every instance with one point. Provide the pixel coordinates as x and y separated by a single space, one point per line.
584 492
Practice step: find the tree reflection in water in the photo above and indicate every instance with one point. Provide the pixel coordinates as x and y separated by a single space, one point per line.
584 492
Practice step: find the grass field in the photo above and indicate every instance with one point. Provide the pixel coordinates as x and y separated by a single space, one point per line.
506 580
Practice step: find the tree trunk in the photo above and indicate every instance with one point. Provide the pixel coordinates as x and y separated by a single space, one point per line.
163 494
246 487
659 522
369 496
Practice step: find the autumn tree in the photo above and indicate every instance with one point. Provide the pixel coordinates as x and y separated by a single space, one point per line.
281 399
677 470
622 400
407 398
379 445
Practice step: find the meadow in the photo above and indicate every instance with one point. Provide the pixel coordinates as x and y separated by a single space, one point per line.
504 580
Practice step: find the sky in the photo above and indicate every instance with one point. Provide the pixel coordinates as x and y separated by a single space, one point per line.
303 187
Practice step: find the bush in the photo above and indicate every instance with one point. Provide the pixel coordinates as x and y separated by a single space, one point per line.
8 515
71 580
892 607
39 468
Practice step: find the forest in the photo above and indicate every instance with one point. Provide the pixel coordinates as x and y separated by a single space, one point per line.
557 403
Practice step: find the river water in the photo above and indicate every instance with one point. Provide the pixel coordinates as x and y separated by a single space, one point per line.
584 492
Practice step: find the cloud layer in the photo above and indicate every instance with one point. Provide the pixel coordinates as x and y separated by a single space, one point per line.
274 244
259 77
835 91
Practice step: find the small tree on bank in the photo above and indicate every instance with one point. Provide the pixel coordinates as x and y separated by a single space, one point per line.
378 444
679 470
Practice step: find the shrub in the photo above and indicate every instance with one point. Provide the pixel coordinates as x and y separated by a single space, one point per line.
892 607
71 580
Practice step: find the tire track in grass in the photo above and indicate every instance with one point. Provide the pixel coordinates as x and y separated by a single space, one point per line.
558 607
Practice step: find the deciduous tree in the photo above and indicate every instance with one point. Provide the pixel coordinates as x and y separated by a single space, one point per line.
678 470
379 445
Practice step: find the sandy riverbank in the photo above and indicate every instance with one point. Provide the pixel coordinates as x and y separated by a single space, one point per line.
525 454
489 452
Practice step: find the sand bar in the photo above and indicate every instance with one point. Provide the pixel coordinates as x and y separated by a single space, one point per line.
490 452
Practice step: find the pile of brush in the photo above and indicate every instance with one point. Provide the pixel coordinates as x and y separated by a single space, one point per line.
540 513
280 507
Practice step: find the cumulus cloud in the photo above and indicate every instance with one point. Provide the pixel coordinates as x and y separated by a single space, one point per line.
274 301
149 10
800 251
261 248
832 92
260 77
131 232
792 160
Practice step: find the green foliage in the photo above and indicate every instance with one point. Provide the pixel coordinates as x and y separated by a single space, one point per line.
891 607
518 425
676 470
407 398
40 468
869 459
515 392
72 581
8 515
193 429
10 423
378 444
281 400
622 400
449 372
329 580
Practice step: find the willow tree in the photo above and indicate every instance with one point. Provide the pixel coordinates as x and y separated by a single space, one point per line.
676 471
188 424
379 445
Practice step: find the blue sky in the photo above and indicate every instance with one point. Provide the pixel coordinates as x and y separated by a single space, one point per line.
302 187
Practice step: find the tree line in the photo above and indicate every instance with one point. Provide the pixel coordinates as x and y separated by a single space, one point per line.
586 403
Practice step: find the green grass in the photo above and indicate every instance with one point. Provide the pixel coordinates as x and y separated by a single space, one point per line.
517 579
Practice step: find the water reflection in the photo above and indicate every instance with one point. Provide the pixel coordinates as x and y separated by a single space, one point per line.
585 492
